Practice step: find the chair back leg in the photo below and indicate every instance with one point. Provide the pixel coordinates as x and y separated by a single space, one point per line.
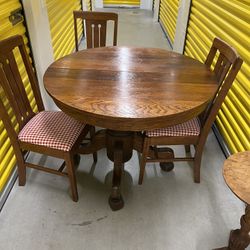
92 135
187 149
143 159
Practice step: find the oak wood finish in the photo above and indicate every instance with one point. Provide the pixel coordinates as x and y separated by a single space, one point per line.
12 86
128 89
227 65
95 24
236 172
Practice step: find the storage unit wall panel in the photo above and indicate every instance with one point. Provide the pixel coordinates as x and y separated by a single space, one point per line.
7 158
229 20
168 17
89 5
131 3
60 13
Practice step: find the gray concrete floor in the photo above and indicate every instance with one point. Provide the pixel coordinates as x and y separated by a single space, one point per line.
168 212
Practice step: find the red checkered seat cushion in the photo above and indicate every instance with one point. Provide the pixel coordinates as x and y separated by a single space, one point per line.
189 128
53 129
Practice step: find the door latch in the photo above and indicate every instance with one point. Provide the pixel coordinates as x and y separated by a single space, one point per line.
16 16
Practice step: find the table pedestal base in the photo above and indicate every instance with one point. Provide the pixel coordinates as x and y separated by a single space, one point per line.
167 166
120 145
116 201
119 150
240 238
166 152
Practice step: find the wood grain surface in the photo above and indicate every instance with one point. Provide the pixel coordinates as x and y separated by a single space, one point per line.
126 89
236 172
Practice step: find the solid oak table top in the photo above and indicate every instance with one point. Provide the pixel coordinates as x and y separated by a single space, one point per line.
236 172
130 89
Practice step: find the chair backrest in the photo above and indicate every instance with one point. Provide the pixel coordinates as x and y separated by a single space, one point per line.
227 64
96 27
13 97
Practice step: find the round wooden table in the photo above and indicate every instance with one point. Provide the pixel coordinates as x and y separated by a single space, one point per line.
125 90
236 173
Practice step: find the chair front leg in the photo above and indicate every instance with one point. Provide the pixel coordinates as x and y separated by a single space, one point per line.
21 168
197 164
69 159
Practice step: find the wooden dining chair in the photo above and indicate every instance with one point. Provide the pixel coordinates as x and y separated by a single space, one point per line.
195 131
51 133
96 27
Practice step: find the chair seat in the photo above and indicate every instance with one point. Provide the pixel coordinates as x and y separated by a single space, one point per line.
189 128
53 129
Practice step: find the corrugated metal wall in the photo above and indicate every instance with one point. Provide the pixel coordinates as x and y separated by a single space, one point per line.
89 5
229 20
60 14
168 17
132 3
7 158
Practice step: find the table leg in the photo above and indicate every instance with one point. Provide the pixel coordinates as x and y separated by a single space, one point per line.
169 152
240 238
161 154
119 150
115 200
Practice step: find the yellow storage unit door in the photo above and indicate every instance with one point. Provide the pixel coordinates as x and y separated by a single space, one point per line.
129 3
61 21
9 9
229 20
168 17
89 5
